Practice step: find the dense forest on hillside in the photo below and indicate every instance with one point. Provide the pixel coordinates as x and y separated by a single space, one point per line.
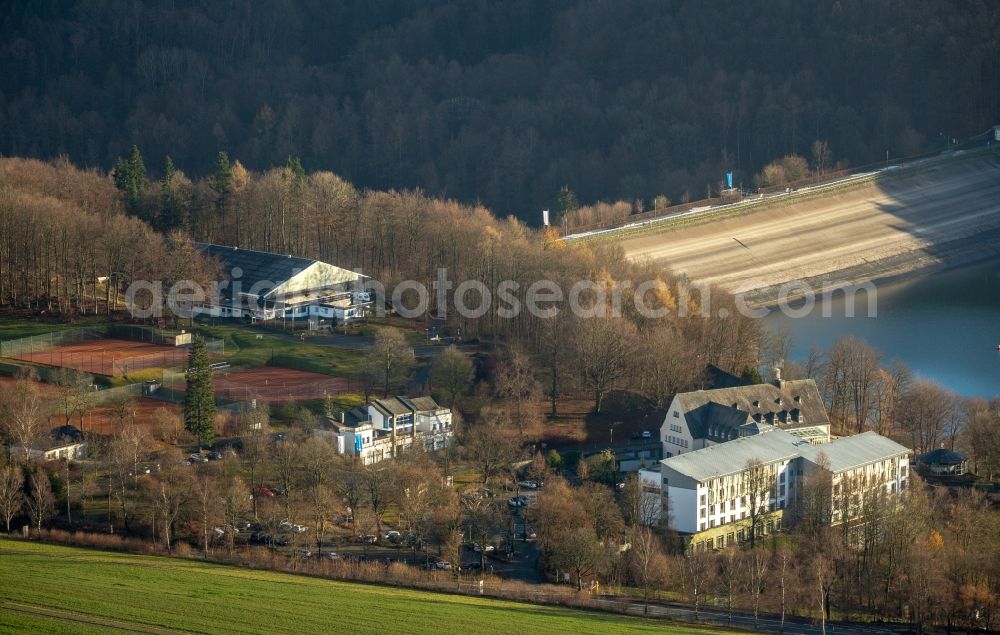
71 244
502 103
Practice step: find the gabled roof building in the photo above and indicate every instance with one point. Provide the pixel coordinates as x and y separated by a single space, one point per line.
702 418
264 286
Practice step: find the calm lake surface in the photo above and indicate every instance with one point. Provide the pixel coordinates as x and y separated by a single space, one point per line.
945 326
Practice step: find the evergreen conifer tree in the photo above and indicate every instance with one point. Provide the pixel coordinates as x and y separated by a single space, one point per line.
199 400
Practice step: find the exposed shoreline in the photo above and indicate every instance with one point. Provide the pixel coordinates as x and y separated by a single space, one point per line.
956 254
941 215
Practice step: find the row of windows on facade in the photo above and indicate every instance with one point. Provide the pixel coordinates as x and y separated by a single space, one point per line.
677 441
731 503
852 508
732 518
734 537
726 488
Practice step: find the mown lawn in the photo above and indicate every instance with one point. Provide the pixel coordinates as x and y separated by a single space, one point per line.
12 329
244 349
96 591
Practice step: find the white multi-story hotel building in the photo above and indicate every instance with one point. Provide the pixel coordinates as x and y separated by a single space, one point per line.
707 494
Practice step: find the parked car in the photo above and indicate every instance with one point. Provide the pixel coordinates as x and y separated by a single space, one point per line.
472 566
517 501
442 566
393 536
529 484
198 458
214 456
265 491
646 434
330 555
292 527
478 548
302 552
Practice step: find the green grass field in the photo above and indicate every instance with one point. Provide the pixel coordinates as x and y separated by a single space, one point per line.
55 589
12 329
244 349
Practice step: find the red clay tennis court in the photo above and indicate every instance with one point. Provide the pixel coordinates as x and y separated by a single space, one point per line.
113 357
103 418
275 384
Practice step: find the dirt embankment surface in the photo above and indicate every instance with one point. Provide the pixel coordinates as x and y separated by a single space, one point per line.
935 215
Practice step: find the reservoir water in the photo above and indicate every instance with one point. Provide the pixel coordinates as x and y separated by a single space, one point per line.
944 325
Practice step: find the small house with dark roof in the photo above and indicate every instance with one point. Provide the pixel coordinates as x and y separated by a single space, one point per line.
702 418
64 442
259 285
942 462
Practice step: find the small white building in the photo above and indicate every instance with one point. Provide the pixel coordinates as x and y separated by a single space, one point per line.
64 442
382 428
707 493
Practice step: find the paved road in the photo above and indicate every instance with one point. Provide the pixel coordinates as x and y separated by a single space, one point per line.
910 213
768 625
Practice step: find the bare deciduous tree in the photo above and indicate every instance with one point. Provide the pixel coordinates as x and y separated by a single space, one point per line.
647 563
697 571
758 562
451 374
206 495
389 363
666 364
122 455
924 413
254 429
41 501
732 568
605 352
172 489
515 384
235 503
758 479
11 492
491 449
316 472
26 415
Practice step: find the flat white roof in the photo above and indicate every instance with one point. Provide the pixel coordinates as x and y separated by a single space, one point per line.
773 446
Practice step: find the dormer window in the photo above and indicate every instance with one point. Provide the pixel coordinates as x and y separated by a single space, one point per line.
756 403
798 398
778 401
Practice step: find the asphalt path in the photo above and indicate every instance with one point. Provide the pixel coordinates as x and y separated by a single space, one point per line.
767 624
